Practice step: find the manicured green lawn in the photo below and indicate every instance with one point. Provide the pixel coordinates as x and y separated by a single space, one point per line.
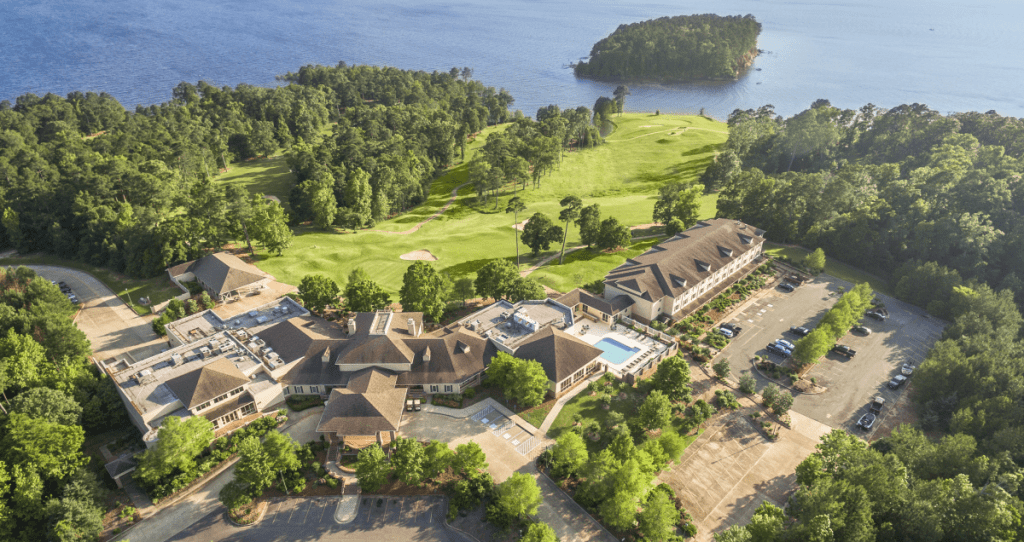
622 176
267 176
158 289
535 416
832 267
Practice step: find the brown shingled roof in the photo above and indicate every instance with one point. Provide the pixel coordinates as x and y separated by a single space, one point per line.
221 272
378 408
679 263
211 380
577 296
559 353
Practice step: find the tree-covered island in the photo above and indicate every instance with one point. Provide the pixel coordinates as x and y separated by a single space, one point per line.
673 49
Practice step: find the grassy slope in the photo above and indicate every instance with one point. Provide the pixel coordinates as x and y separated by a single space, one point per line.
623 176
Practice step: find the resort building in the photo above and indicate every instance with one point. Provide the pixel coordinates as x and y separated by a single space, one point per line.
223 275
684 272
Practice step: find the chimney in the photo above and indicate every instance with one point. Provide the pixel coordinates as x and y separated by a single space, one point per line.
327 354
426 354
412 327
352 326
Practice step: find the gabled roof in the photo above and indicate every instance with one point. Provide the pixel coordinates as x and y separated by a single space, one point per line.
378 407
577 296
559 353
227 406
211 380
679 263
455 354
121 465
220 272
380 338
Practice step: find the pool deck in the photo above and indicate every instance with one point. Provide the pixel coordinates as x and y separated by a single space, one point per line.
595 331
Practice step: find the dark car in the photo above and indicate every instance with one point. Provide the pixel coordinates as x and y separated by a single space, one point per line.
878 314
897 381
777 350
844 350
735 329
862 330
866 421
799 331
907 369
786 287
62 284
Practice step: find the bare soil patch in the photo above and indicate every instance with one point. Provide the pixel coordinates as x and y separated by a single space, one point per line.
423 255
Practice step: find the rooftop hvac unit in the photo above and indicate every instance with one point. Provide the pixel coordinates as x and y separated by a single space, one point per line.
176 359
204 351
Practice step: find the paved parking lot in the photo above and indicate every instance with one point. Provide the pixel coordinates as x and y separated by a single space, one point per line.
905 337
391 519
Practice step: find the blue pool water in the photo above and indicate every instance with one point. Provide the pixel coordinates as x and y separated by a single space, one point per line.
614 351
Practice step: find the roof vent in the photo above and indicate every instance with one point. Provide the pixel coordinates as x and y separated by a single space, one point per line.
352 326
426 354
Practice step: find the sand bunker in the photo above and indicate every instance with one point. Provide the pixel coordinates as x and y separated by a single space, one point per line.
521 225
651 125
424 255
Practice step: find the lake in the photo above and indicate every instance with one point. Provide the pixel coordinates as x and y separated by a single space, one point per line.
950 55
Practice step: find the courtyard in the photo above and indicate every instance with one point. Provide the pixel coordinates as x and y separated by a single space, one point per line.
626 351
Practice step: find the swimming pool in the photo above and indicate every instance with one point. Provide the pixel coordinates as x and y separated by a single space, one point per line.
614 351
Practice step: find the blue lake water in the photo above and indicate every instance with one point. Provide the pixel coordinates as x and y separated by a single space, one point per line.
614 351
951 55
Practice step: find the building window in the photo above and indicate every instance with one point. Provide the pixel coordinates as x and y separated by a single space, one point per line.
216 424
298 389
604 317
236 391
248 409
447 388
287 391
433 388
314 389
203 406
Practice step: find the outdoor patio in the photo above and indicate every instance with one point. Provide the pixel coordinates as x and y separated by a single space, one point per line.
647 349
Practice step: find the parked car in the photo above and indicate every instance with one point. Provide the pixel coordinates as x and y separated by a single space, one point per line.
866 421
735 329
778 350
795 279
786 287
408 405
62 284
897 381
416 404
877 404
878 314
726 332
785 344
862 330
907 369
799 331
844 350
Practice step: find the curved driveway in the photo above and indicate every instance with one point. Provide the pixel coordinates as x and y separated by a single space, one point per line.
111 326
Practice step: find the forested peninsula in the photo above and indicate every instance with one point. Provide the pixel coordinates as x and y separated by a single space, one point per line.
675 49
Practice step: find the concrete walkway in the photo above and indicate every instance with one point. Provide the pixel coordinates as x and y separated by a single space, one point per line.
550 418
167 523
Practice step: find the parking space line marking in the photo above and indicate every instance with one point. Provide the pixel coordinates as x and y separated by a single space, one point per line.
290 515
324 509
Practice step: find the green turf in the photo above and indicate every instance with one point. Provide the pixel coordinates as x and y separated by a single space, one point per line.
267 176
832 267
158 289
623 176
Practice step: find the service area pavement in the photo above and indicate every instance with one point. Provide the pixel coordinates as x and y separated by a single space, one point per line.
905 337
395 519
110 325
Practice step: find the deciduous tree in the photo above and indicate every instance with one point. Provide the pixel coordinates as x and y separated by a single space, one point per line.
513 499
656 411
569 454
365 296
372 469
540 232
408 461
613 235
425 290
494 279
589 224
317 292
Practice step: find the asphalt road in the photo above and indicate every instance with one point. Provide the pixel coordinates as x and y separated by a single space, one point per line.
905 337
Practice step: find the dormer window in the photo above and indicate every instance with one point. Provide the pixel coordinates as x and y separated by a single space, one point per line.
746 239
725 252
702 266
678 282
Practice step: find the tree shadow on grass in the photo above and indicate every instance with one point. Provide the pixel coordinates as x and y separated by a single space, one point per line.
472 266
701 150
683 171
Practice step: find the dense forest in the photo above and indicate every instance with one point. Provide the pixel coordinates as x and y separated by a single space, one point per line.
671 49
82 178
934 202
52 399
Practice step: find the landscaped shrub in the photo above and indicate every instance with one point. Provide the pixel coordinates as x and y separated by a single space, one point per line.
717 340
748 384
726 399
299 403
469 393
